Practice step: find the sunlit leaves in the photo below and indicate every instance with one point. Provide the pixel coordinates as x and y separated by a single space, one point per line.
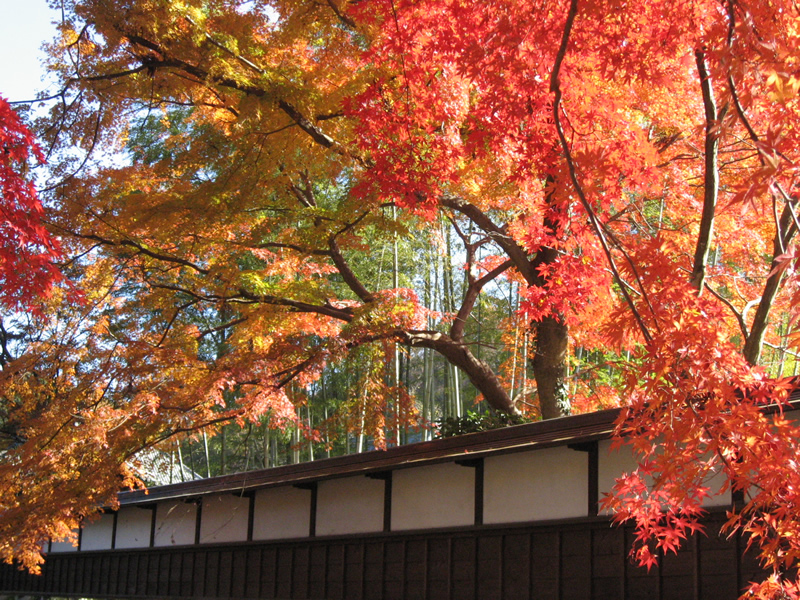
27 250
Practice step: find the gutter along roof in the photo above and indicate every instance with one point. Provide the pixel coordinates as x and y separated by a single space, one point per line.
541 434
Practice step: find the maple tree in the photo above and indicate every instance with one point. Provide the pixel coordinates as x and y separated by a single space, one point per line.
228 170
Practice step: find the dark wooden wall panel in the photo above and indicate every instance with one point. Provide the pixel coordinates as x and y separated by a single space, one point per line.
415 582
678 577
545 565
269 568
515 576
334 577
438 568
463 568
576 564
580 560
283 574
393 570
489 567
354 571
373 570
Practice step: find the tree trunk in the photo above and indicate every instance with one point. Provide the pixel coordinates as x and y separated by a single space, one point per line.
550 367
549 362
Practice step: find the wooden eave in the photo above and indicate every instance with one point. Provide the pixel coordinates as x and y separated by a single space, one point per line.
542 434
565 431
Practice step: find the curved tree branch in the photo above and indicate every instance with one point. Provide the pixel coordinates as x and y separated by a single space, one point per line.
473 291
711 173
515 252
478 371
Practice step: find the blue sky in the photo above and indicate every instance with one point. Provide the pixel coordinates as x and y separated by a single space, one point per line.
24 26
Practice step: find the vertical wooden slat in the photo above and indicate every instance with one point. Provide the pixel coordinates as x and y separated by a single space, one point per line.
284 572
239 574
125 575
72 587
576 564
317 570
718 566
463 571
374 570
516 567
175 573
187 573
608 564
416 572
334 577
489 567
97 573
225 574
154 570
545 565
438 580
354 571
300 567
212 573
199 580
164 562
104 576
252 588
269 569
394 553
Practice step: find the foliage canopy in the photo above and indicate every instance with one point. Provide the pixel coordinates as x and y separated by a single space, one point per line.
228 171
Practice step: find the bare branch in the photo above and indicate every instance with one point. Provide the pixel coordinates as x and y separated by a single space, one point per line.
515 252
473 290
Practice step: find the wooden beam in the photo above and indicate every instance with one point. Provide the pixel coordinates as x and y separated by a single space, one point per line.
114 530
198 520
477 464
593 456
251 513
312 519
386 476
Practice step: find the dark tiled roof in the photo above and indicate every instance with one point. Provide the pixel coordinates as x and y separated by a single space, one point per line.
542 434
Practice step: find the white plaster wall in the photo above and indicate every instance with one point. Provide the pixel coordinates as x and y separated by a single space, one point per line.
65 546
97 535
224 519
613 463
133 527
175 524
540 485
434 496
282 513
349 505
